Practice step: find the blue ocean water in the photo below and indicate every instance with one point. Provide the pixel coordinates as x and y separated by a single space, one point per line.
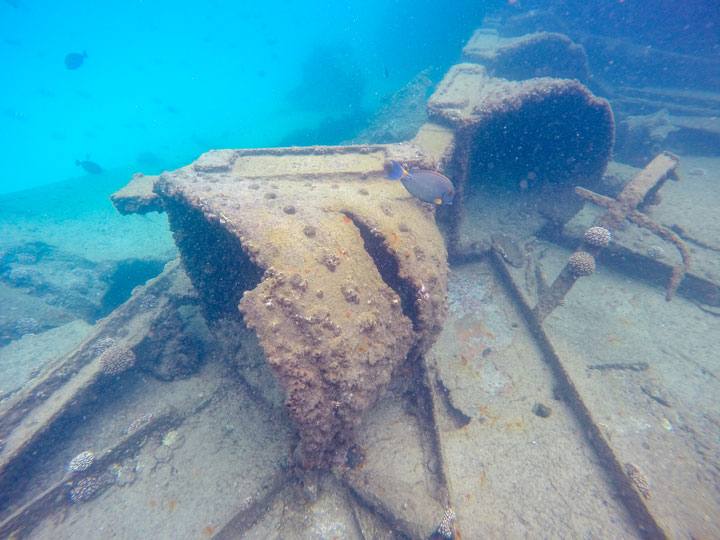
165 81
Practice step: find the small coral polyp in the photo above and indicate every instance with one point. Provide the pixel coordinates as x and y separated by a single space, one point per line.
81 462
598 236
581 264
116 359
85 489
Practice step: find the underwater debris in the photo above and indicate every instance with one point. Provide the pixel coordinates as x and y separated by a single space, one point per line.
354 456
541 410
400 115
642 136
137 197
643 186
629 366
540 54
493 121
507 247
308 264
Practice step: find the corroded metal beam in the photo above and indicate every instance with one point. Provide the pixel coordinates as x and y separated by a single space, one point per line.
642 188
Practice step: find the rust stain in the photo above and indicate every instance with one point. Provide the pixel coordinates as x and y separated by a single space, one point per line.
468 327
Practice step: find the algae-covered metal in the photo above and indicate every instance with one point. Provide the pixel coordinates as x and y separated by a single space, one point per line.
340 273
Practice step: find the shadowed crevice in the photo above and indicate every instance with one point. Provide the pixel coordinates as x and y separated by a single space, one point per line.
214 259
387 265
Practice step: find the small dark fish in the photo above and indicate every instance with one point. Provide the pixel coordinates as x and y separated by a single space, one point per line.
427 186
387 73
89 166
75 60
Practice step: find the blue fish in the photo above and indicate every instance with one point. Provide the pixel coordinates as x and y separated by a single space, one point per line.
89 166
75 60
427 186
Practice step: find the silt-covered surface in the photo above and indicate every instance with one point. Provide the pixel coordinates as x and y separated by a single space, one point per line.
338 270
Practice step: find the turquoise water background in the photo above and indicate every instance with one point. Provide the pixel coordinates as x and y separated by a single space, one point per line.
165 80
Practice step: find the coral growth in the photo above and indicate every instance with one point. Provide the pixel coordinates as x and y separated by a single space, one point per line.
638 479
81 462
581 263
116 359
102 345
598 236
655 252
139 422
85 489
446 529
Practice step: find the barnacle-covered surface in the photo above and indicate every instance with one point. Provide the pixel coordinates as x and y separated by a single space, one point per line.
541 54
533 139
137 196
339 271
537 114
